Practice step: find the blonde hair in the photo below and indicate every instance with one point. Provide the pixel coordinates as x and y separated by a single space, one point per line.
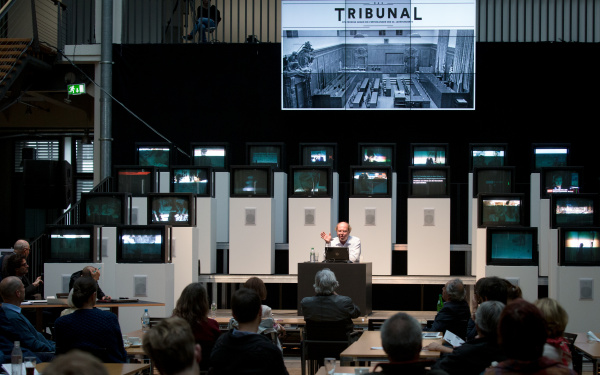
555 315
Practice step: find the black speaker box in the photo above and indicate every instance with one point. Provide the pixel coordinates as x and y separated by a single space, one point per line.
47 184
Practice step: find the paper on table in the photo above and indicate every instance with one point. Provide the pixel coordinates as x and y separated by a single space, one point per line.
592 337
8 368
452 339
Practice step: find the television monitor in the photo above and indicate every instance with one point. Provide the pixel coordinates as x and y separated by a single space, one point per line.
372 154
251 181
566 180
107 209
267 154
73 244
136 180
487 155
511 246
579 246
371 182
214 155
500 210
428 182
568 210
310 182
319 154
550 155
175 209
191 179
144 244
496 180
153 154
429 154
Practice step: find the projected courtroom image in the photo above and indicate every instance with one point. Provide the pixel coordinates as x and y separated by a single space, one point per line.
360 55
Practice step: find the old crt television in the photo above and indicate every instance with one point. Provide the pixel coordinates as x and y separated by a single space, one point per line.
428 182
153 154
251 181
191 179
266 154
550 155
560 180
579 210
508 246
579 247
319 154
175 209
500 210
107 209
310 182
429 154
377 154
144 244
370 182
73 244
487 155
496 180
214 155
134 179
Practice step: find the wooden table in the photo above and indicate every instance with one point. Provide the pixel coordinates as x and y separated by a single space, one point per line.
340 370
589 349
113 368
362 349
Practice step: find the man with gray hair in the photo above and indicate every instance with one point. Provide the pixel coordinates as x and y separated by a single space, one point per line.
401 338
476 355
455 314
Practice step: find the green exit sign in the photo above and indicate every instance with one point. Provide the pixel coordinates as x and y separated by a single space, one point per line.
76 89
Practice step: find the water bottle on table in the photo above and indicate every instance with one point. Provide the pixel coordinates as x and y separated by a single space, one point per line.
16 359
145 321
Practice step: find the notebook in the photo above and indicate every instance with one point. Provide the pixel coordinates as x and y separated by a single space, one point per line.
337 254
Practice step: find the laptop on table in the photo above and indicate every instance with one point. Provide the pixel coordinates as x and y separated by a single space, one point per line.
339 254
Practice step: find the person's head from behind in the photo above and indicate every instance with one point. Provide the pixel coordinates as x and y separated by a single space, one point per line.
513 292
12 290
22 247
522 331
492 288
91 271
83 289
245 305
487 318
76 362
454 290
325 282
171 346
192 304
401 338
555 315
258 286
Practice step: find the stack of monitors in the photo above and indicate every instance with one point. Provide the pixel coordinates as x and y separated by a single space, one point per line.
377 154
512 246
266 154
174 209
214 155
500 210
370 182
191 179
153 155
136 180
310 182
550 155
488 155
494 180
429 182
144 244
251 181
319 154
107 209
560 180
430 154
579 210
579 246
73 244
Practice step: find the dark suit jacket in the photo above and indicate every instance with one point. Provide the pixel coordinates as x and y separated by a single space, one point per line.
453 317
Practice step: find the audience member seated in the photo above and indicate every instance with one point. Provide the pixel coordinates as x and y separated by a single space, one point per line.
76 362
8 336
455 314
20 247
88 328
16 265
92 272
557 346
401 338
242 350
172 347
522 336
513 292
474 356
490 288
13 293
192 306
